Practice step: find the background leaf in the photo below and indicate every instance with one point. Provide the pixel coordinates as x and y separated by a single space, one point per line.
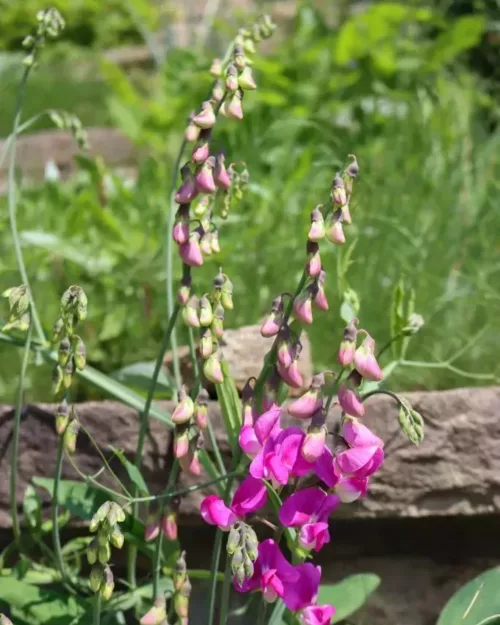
80 499
348 595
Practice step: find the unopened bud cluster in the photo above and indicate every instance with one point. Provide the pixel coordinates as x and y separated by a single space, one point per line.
72 123
105 524
190 419
162 520
19 303
50 25
242 546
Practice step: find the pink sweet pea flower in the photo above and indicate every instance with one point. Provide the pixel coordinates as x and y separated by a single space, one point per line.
280 458
304 591
309 509
317 615
356 434
255 431
360 461
350 401
366 363
250 496
347 488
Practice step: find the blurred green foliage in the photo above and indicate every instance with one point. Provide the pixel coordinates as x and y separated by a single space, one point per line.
388 84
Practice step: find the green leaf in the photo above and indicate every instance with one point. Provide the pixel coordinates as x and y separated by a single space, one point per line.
476 603
39 605
139 374
133 472
32 508
348 595
230 405
80 499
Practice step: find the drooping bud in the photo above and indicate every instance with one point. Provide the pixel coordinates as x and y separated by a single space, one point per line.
108 584
239 57
181 600
190 312
218 322
152 525
92 549
338 193
218 90
365 361
334 231
103 534
311 402
70 436
284 348
346 214
184 409
190 252
353 168
68 372
227 295
188 190
202 206
274 320
62 417
204 178
411 422
205 119
246 80
192 131
74 303
57 380
180 573
181 441
96 577
318 291
201 150
116 514
232 77
206 343
347 348
221 176
313 266
117 538
99 516
184 290
233 107
79 352
314 442
169 525
317 229
212 369
216 68
64 352
251 543
349 398
57 331
292 375
104 553
206 313
201 409
190 463
157 615
302 307
215 242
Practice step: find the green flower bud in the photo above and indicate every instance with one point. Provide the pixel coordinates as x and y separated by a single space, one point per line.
237 559
206 313
227 295
79 352
92 551
103 534
64 352
104 553
240 575
249 568
58 331
233 541
412 423
117 538
99 516
115 514
108 584
74 303
70 436
57 380
180 574
19 300
62 417
96 577
68 372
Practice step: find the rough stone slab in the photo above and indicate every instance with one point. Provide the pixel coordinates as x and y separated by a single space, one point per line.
456 470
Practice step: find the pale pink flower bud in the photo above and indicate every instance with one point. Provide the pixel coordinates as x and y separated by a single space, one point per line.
157 615
216 68
201 152
273 322
218 322
187 191
201 409
180 231
190 312
206 344
334 230
184 409
317 229
231 77
246 80
347 348
284 349
346 214
314 259
232 107
320 300
218 91
190 464
302 307
181 442
365 361
169 525
151 530
206 117
190 251
291 375
206 312
338 191
221 176
350 401
310 403
213 370
314 443
239 56
192 132
204 178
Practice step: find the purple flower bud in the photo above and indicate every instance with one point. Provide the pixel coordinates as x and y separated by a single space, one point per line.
273 322
180 231
184 409
317 229
314 443
314 259
201 152
181 442
291 375
206 117
338 191
307 405
221 177
216 68
212 369
218 91
365 361
302 307
232 107
190 313
206 344
190 251
204 178
246 81
232 77
350 400
187 191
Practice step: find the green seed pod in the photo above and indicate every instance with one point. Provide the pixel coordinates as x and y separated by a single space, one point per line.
117 538
96 577
64 352
92 551
79 352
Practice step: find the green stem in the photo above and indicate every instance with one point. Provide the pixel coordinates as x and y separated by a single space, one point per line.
388 344
97 609
89 479
12 201
226 592
132 552
15 437
333 391
56 539
169 260
159 541
214 568
262 612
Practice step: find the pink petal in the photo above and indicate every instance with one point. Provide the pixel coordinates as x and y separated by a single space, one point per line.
326 469
356 434
190 253
249 497
304 590
360 461
314 536
248 441
317 615
276 469
304 407
300 507
350 401
314 444
349 489
215 512
267 423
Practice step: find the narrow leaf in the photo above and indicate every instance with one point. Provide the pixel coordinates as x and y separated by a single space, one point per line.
133 472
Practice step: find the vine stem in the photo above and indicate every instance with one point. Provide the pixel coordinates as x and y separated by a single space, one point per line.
226 592
97 609
12 202
132 552
15 437
214 567
159 541
56 539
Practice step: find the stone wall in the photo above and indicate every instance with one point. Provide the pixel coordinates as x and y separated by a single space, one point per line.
429 523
